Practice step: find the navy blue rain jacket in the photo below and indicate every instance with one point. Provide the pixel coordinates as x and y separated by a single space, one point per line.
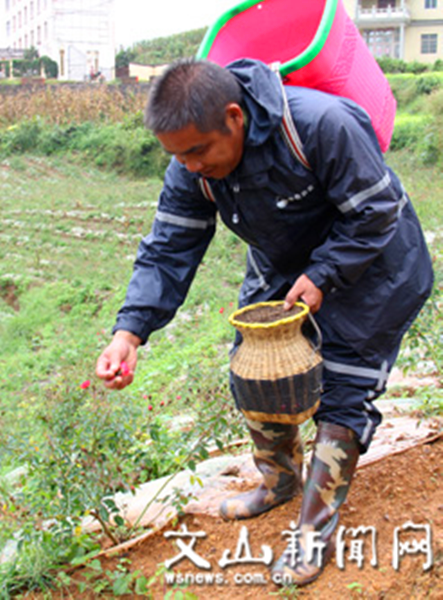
346 223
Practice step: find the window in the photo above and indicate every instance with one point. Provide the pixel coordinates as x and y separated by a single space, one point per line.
429 43
430 3
383 42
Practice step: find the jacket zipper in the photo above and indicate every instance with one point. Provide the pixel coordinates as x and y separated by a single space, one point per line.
235 216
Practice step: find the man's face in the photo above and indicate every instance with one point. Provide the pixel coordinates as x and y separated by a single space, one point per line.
213 154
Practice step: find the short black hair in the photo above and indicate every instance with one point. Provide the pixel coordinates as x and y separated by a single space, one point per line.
191 91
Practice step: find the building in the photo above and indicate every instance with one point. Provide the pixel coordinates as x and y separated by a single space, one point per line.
77 34
137 72
411 30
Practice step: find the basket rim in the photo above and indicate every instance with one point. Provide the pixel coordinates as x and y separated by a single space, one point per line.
291 319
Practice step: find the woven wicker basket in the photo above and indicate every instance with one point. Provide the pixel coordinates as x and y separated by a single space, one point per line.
276 371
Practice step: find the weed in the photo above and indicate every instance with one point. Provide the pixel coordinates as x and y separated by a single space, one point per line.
290 591
355 587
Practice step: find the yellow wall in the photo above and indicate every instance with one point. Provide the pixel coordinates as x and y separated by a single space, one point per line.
418 10
145 72
413 44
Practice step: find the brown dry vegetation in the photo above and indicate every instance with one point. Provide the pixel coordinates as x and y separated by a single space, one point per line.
64 104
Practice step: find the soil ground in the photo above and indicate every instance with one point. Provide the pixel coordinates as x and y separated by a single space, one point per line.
386 495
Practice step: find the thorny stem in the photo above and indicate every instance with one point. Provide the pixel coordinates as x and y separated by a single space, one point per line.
105 527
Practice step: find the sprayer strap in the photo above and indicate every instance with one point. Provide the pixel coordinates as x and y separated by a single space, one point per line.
206 189
289 130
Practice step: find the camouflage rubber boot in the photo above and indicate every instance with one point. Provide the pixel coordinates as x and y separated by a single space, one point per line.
278 455
335 457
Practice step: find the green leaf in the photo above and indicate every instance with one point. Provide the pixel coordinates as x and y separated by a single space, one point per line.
100 585
122 585
79 560
203 453
119 521
64 578
141 585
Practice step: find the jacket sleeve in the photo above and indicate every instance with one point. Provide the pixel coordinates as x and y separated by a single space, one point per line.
168 257
345 156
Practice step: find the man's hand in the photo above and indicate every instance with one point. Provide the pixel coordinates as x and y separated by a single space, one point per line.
123 348
304 290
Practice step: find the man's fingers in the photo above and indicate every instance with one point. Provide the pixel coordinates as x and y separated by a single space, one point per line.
290 300
118 382
118 361
303 289
106 367
293 295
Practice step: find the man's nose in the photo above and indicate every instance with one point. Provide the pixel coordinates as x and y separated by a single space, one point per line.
193 165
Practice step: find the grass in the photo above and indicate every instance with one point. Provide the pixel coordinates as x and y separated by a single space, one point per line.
423 184
67 242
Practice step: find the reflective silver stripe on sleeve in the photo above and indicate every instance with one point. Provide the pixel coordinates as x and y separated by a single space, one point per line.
354 201
184 221
263 283
402 203
380 375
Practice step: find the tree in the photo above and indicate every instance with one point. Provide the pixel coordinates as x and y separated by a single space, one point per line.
124 57
50 67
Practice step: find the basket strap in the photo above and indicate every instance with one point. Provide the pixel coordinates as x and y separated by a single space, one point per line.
317 330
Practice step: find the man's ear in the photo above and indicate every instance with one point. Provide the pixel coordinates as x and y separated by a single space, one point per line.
234 115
